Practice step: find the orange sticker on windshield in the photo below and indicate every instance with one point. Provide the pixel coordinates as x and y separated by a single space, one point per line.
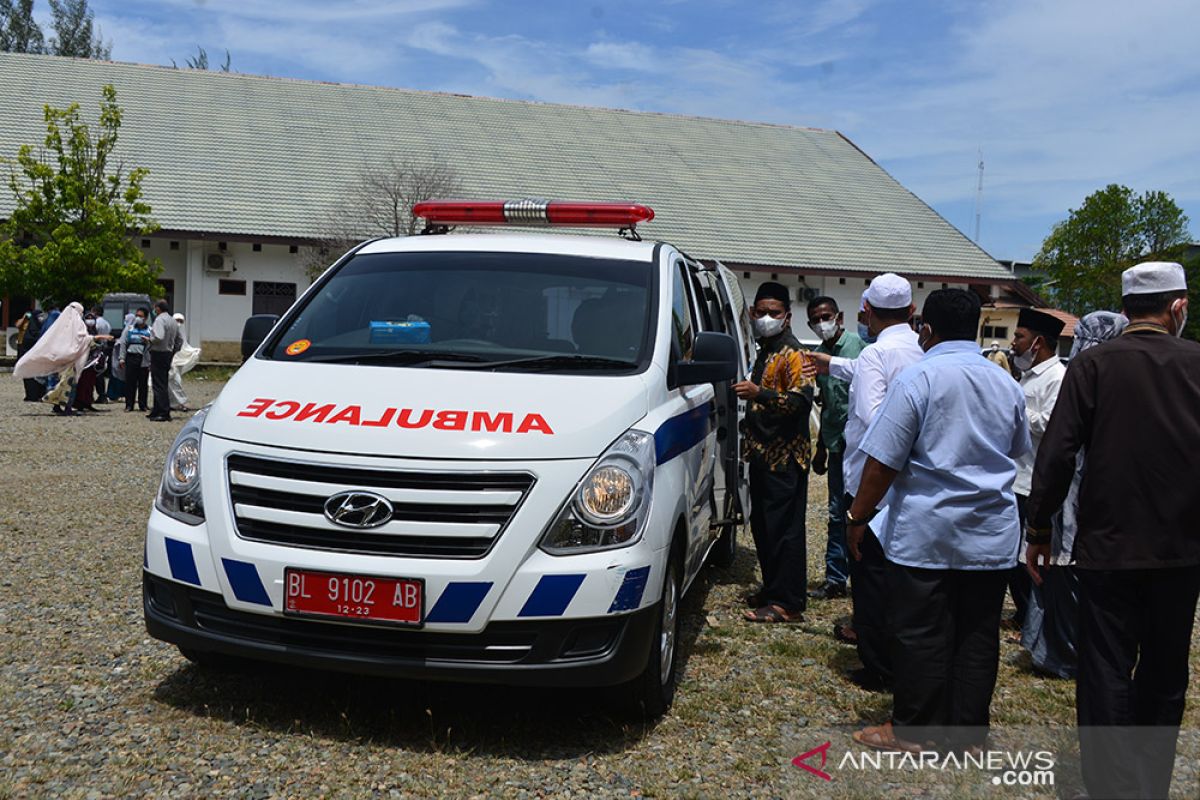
297 347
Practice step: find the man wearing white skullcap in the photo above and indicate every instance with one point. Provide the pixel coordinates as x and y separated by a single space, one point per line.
888 307
1134 402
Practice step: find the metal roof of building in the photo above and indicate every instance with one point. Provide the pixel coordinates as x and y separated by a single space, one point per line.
242 154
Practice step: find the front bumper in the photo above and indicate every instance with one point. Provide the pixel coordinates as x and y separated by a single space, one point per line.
563 652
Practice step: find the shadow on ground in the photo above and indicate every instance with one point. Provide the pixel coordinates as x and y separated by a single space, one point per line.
515 722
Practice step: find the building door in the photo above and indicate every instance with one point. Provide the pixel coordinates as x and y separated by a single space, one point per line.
168 287
273 297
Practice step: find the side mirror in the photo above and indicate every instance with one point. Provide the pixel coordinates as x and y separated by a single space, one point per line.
255 331
714 359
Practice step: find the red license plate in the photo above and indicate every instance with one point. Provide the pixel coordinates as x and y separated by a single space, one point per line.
361 598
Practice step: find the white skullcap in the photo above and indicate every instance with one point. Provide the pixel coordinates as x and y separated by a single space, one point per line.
1152 277
862 304
889 290
178 317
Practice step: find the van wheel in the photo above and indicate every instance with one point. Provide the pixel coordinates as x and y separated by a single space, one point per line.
725 550
652 692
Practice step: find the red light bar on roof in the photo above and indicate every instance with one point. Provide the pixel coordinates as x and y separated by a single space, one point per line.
532 212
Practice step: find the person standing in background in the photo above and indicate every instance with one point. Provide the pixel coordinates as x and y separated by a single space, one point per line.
181 363
1035 355
103 328
135 360
825 319
164 343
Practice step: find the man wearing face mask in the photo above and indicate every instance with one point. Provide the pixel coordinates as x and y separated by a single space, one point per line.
776 444
1134 402
1035 354
825 320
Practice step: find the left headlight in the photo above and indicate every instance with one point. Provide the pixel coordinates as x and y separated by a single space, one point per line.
179 494
609 507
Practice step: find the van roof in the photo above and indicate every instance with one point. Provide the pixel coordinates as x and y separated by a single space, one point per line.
564 244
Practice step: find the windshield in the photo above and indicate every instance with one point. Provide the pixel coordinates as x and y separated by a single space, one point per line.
501 311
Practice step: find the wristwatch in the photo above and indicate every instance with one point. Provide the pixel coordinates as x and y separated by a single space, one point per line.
855 521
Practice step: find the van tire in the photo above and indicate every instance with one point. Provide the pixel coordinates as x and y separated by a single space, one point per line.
650 695
724 551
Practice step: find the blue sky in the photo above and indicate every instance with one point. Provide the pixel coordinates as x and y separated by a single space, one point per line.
1062 96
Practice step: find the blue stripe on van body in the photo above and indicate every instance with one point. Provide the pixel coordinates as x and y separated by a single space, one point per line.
182 562
681 432
459 602
551 596
629 596
247 586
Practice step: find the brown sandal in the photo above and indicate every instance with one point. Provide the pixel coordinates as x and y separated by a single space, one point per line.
772 614
882 737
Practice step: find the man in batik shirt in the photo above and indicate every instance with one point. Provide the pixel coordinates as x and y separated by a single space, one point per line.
775 442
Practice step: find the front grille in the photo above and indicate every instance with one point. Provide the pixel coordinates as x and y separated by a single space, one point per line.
435 514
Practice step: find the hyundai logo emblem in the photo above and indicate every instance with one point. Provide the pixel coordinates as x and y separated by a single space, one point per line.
358 510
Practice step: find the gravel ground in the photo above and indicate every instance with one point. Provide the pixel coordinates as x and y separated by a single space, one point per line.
91 707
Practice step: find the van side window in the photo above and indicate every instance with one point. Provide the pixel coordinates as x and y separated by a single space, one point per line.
683 324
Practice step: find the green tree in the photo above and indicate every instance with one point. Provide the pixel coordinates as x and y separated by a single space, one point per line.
71 235
19 33
1084 255
200 60
73 31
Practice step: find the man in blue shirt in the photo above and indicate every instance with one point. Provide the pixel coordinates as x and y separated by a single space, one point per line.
943 450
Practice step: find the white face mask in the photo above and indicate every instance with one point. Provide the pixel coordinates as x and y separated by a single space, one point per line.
826 329
1024 362
766 327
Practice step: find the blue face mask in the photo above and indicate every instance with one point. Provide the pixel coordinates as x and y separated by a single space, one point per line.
864 333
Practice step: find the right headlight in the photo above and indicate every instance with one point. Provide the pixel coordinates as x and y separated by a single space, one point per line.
179 494
609 507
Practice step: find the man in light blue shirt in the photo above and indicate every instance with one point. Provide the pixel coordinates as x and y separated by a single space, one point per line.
943 450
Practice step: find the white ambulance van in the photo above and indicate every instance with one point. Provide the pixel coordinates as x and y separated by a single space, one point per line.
489 457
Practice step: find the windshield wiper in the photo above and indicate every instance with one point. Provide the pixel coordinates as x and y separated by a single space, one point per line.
559 361
406 357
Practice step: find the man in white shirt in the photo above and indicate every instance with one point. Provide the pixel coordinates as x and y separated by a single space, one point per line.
888 307
1035 354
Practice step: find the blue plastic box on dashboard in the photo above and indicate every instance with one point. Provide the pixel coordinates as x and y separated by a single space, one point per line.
414 332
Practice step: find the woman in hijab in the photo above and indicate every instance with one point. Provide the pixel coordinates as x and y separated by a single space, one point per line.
34 388
61 350
184 359
1051 621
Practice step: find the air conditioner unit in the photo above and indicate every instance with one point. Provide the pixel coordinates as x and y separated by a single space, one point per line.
807 293
219 263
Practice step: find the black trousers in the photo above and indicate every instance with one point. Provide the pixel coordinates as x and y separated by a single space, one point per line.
778 504
160 372
1020 585
870 602
136 381
1135 629
945 650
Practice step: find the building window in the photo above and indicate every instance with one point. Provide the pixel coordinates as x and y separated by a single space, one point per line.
226 286
995 332
222 246
145 243
256 247
920 284
272 297
945 286
293 249
841 281
174 245
746 275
